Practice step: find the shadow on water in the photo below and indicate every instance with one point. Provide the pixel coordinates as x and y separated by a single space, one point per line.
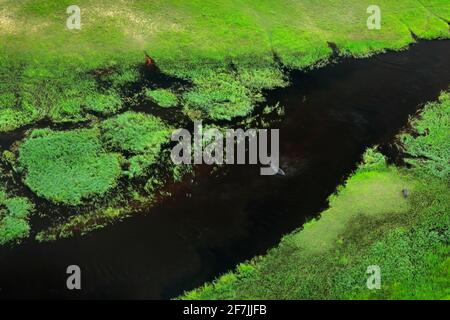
332 115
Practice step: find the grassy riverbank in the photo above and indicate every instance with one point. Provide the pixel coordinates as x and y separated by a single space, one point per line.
48 66
369 222
90 83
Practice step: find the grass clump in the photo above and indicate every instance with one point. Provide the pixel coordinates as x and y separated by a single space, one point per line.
66 167
14 216
163 97
138 135
218 96
221 93
430 151
103 103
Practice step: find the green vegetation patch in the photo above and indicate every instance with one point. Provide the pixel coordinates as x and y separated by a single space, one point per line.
66 167
14 216
163 97
137 134
329 258
430 151
103 103
229 50
223 94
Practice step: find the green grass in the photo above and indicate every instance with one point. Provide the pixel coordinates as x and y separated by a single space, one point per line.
163 97
14 216
138 134
47 66
430 151
67 167
369 222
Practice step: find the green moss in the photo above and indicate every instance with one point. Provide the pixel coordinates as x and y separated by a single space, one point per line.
163 97
67 167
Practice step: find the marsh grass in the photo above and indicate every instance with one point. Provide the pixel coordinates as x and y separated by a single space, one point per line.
66 167
14 218
163 97
137 134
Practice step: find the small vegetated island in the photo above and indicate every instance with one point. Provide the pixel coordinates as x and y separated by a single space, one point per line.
86 118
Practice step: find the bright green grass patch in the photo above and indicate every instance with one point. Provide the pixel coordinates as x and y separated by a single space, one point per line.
163 97
12 229
103 103
385 197
413 257
219 96
138 134
18 207
14 215
62 93
67 167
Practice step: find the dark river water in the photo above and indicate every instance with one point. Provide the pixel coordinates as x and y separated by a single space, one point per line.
332 115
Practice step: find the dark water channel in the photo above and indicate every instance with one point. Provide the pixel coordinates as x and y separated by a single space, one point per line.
332 115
